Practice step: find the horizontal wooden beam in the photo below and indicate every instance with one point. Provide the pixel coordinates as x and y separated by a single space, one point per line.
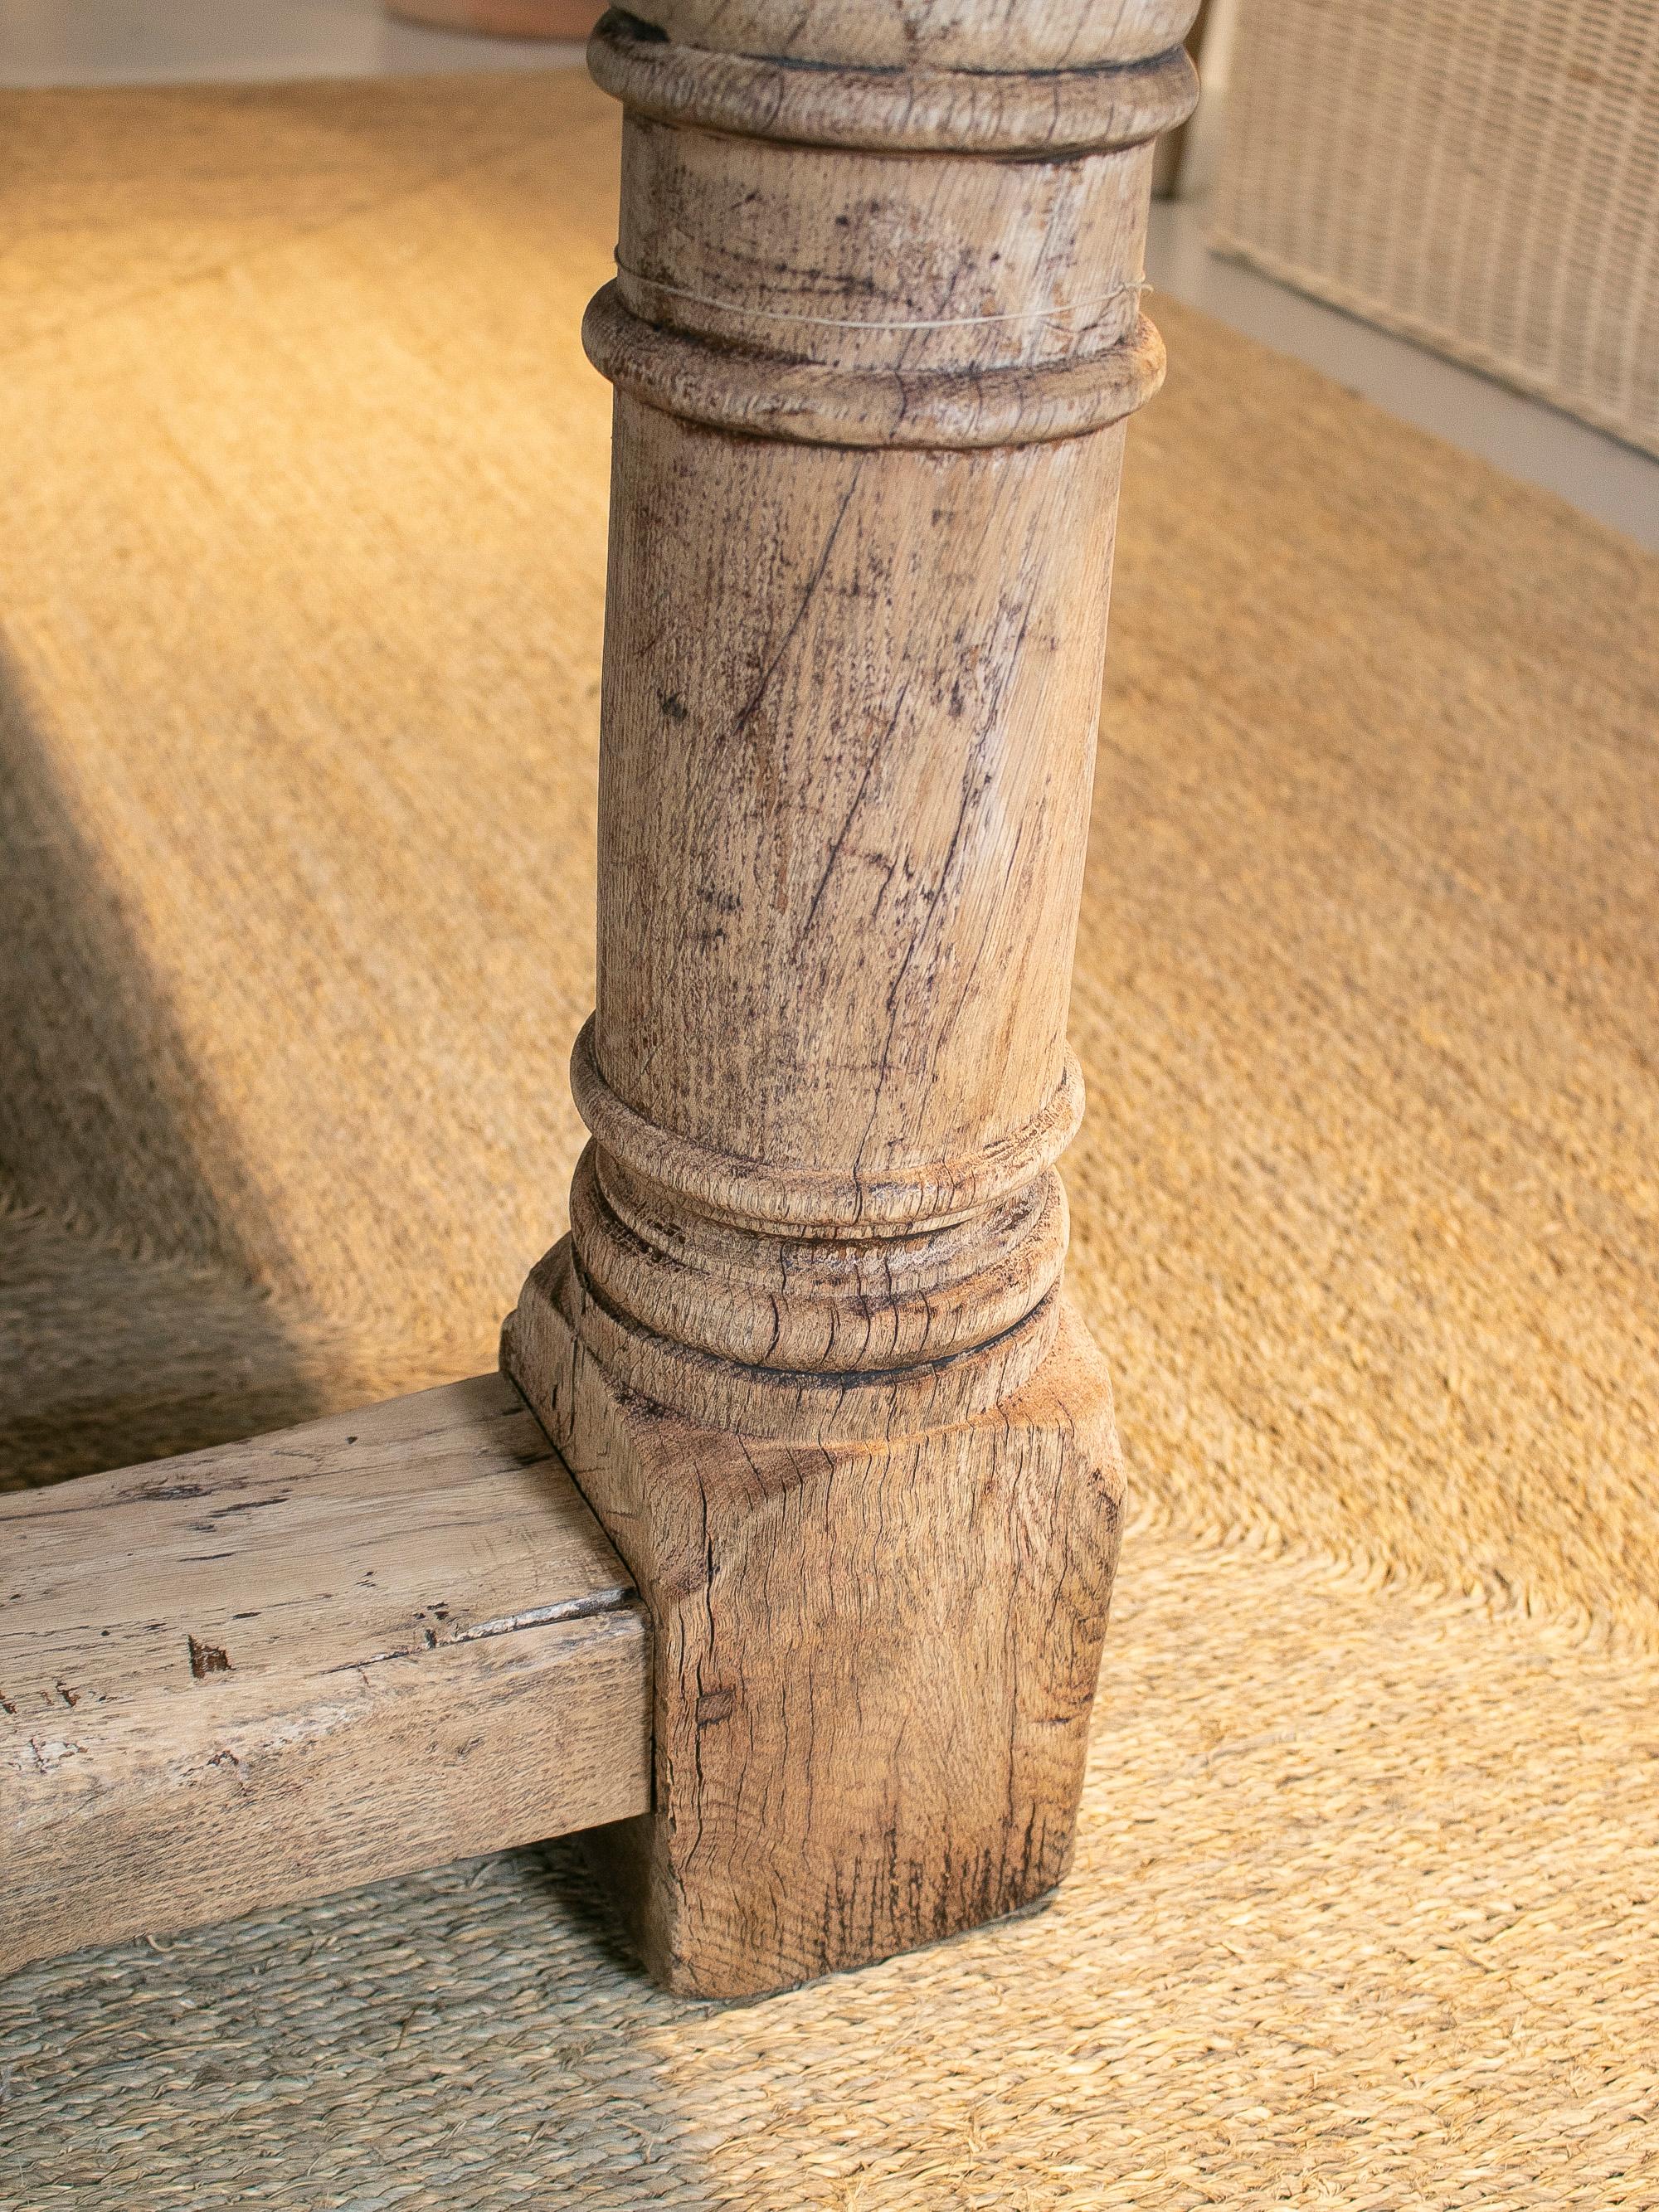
291 1666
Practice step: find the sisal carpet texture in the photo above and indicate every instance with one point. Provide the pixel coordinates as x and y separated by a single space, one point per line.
1362 1917
302 493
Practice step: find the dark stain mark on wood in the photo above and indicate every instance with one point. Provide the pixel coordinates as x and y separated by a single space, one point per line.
207 1659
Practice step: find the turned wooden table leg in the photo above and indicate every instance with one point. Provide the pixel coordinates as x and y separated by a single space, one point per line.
875 332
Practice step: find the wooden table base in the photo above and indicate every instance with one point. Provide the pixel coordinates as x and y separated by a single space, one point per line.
875 334
876 1660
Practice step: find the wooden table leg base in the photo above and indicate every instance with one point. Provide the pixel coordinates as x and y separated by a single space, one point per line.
875 333
875 1659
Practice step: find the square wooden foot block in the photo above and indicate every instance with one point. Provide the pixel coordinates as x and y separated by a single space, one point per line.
875 1661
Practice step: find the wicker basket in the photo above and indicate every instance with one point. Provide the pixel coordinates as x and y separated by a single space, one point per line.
1479 174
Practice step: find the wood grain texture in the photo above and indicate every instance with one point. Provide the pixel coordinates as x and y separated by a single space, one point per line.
876 1659
970 34
345 1650
874 334
920 109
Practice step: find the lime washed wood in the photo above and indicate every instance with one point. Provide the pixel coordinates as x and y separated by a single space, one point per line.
875 333
372 1643
807 1355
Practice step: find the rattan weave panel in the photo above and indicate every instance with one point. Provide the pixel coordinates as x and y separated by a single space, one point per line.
1479 174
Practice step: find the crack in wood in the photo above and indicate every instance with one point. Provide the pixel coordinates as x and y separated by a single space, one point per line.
535 1616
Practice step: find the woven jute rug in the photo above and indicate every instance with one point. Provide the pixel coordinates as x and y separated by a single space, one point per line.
302 495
